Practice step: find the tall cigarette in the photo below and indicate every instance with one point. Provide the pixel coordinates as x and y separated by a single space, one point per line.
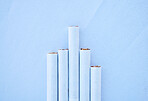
95 83
63 74
52 76
84 74
73 63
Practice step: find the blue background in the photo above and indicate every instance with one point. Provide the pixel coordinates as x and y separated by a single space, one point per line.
116 31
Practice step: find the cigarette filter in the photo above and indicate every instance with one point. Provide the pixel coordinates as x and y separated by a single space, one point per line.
52 76
95 83
84 74
63 74
73 33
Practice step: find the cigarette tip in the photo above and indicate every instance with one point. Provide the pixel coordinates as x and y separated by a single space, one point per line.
85 49
96 66
73 26
53 53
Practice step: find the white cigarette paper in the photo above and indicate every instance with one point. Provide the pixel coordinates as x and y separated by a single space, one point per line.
73 33
84 74
63 74
52 76
95 83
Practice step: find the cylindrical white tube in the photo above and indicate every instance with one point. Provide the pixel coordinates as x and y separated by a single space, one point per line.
52 76
95 83
63 74
84 74
73 33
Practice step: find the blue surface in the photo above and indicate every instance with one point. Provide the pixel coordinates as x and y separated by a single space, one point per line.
116 31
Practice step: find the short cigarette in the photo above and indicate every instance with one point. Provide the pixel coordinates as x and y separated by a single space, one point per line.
52 76
84 74
95 83
63 74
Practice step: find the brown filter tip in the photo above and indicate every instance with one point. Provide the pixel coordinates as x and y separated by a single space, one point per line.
85 49
53 53
73 26
96 66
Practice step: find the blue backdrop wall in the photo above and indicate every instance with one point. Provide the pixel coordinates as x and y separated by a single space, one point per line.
116 31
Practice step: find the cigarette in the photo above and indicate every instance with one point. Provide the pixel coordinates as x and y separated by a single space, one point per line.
52 76
95 83
73 34
84 74
63 74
